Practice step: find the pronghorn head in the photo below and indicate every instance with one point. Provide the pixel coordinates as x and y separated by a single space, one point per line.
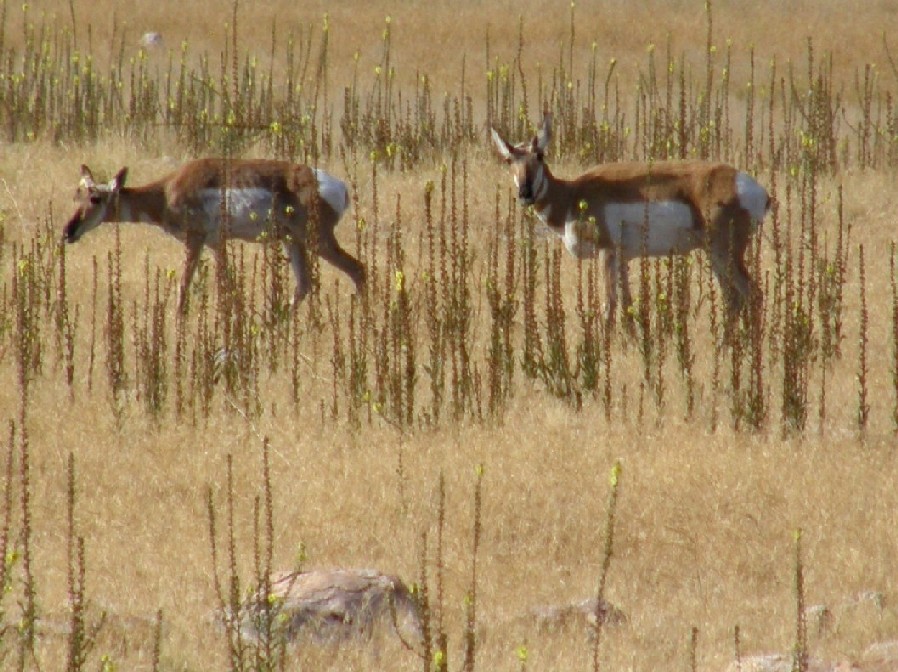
97 203
527 161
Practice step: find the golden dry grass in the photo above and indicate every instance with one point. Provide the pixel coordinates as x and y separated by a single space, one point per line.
704 535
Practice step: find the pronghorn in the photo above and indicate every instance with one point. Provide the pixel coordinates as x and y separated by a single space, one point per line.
262 197
643 209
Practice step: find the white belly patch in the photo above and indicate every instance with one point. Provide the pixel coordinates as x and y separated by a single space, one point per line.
249 211
580 238
657 228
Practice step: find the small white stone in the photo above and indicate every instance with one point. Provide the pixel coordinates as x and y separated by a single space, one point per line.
151 40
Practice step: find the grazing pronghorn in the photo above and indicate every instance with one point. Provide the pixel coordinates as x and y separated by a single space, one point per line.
262 197
644 209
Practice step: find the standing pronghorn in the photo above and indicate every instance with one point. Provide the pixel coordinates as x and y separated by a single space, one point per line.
262 197
635 209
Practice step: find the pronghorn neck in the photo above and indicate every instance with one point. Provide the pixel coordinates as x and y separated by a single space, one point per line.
139 204
542 184
551 198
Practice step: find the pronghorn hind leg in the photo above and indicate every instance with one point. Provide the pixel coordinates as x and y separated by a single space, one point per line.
732 275
737 288
329 249
727 252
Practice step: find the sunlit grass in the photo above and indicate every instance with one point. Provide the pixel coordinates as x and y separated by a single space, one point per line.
472 394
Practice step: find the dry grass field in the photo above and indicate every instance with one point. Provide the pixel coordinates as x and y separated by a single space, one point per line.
476 359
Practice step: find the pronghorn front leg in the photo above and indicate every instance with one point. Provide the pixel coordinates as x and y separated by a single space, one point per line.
298 261
194 250
617 279
225 276
611 281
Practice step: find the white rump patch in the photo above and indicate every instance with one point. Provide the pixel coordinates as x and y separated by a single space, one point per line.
752 196
333 190
670 227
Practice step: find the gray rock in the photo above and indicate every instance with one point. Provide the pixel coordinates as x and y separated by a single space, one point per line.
333 606
780 662
880 657
577 615
151 40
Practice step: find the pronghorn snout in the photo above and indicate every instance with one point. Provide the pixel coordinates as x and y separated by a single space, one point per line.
70 233
525 193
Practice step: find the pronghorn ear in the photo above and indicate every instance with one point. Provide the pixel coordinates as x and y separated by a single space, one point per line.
544 135
87 177
119 180
502 145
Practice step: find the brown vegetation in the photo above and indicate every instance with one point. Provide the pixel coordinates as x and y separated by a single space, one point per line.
455 425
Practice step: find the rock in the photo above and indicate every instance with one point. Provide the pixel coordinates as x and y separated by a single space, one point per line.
856 612
580 614
151 40
874 599
778 662
880 657
333 606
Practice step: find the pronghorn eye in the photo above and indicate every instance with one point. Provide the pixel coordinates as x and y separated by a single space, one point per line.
539 157
95 199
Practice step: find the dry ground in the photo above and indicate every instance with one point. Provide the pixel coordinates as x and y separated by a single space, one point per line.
704 536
